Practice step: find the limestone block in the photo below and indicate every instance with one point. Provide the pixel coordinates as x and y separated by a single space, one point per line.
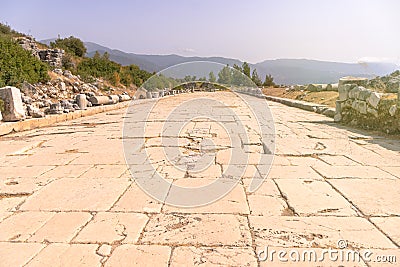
353 80
13 109
374 99
344 92
364 93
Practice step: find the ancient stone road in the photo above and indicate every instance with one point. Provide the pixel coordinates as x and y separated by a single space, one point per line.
67 197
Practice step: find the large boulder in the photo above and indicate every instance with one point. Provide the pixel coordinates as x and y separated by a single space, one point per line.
13 108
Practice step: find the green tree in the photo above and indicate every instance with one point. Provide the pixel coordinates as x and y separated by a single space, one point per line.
211 77
225 75
246 69
71 44
255 78
269 80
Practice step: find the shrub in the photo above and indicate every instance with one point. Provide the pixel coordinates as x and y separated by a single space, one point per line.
18 65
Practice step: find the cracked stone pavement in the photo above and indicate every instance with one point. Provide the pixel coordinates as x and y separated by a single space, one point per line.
67 197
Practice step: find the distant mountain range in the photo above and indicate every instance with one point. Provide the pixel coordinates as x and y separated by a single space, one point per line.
284 71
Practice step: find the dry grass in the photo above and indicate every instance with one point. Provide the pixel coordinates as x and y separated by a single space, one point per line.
326 98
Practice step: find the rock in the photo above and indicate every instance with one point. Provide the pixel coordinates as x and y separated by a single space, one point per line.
63 86
337 117
65 104
13 109
89 104
354 93
374 99
372 111
68 74
154 95
363 94
1 117
141 93
393 85
81 101
124 98
148 95
58 71
56 108
99 100
27 99
114 99
334 87
392 110
360 106
344 92
34 112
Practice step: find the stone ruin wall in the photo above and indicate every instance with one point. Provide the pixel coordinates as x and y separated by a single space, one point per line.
53 57
366 108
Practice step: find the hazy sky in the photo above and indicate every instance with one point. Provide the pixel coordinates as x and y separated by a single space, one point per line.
338 30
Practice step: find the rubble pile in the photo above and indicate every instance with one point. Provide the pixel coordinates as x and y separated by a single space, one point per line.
53 57
388 84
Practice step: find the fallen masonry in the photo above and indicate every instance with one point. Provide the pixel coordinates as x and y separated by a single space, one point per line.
13 109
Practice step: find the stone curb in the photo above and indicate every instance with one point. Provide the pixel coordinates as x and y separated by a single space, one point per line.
29 124
318 108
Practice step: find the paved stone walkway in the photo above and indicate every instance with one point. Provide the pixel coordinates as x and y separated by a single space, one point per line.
67 197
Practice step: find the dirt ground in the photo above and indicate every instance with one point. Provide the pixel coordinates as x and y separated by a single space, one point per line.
326 97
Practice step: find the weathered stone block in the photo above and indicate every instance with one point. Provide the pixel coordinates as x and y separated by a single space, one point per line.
13 109
355 92
344 92
353 80
372 111
362 107
154 95
148 95
374 99
364 93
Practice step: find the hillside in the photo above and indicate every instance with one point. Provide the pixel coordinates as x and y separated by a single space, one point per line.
284 71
